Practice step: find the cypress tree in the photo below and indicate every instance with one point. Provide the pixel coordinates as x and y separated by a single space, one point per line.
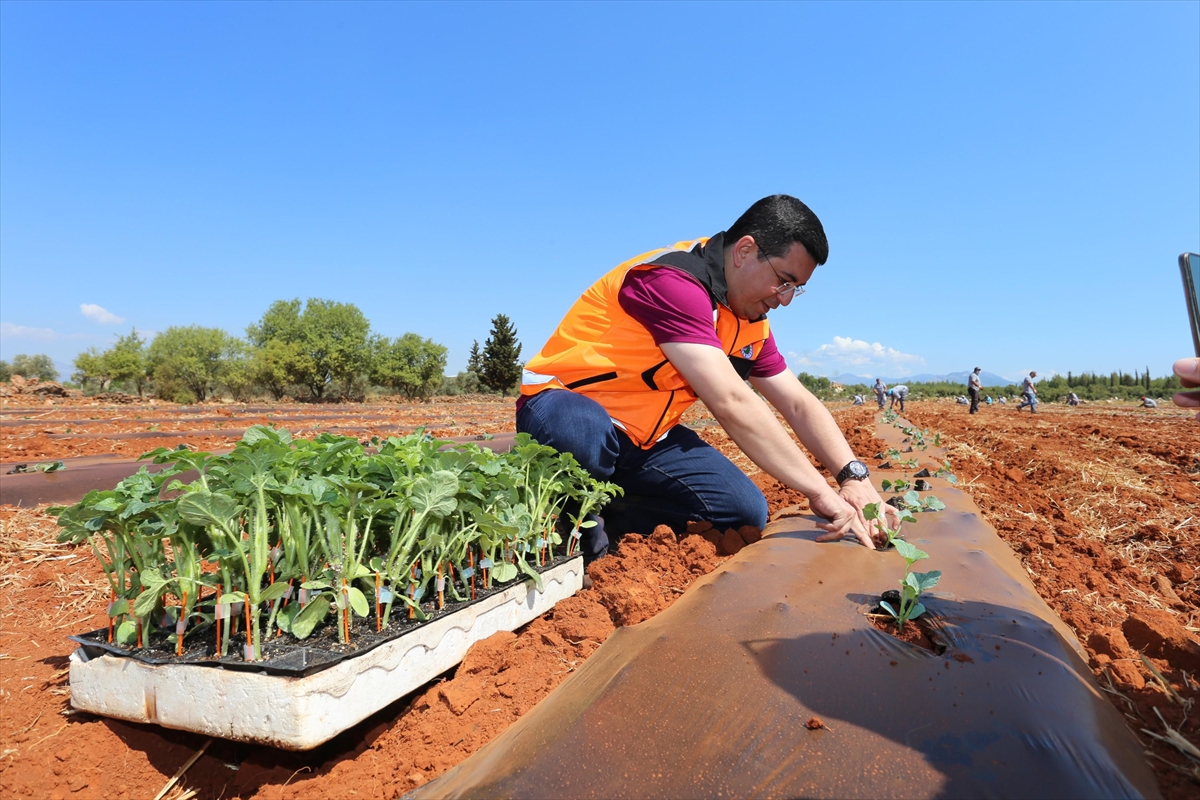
475 359
501 367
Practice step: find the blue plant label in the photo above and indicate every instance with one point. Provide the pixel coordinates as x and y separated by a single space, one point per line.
485 563
287 595
467 573
540 543
383 595
419 593
418 573
577 534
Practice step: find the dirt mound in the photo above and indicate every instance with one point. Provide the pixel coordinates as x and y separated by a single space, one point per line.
32 387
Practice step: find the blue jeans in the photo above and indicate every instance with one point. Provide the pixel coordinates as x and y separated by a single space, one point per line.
680 478
1030 400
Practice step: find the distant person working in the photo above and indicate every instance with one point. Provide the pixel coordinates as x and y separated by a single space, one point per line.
898 392
1072 399
1030 393
1148 402
880 391
689 322
973 387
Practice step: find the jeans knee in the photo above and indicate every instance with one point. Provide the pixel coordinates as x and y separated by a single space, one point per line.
571 423
746 506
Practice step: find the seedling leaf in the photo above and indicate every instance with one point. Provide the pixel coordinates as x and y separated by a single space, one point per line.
273 592
309 616
503 573
358 601
908 551
925 580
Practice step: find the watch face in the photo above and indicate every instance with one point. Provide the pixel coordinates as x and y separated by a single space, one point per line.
854 471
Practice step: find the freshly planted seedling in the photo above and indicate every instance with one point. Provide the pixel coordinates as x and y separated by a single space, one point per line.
913 584
945 473
911 501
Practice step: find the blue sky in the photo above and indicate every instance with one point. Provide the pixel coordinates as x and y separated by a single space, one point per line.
1005 185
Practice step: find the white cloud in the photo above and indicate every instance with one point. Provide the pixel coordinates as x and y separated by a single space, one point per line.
845 354
100 314
10 331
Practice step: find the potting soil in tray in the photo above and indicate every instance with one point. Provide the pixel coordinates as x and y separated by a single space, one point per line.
284 654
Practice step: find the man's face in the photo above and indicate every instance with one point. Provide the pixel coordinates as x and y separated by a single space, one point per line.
754 280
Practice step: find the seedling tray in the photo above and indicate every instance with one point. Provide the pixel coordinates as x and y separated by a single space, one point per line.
306 695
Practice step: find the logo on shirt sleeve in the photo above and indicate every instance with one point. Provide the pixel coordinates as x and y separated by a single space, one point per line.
748 351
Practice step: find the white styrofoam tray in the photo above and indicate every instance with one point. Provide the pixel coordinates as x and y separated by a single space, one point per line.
299 713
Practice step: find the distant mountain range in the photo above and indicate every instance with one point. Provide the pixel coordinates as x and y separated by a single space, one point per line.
985 378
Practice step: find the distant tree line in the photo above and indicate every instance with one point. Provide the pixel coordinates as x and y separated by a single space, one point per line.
39 367
1087 386
319 350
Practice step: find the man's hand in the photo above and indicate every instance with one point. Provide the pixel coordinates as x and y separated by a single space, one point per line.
1188 370
844 517
861 494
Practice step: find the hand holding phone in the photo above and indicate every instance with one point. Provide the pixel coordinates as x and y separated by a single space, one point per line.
1189 268
1188 369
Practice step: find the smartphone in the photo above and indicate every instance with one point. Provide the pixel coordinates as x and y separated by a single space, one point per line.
1189 265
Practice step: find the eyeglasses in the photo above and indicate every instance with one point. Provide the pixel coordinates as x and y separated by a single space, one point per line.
786 289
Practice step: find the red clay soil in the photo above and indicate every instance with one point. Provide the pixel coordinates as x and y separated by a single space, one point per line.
67 428
1101 507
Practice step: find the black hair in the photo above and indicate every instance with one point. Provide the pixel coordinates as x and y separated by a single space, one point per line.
778 221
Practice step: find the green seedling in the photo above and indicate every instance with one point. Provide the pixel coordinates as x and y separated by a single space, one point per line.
411 522
945 473
911 501
913 584
898 485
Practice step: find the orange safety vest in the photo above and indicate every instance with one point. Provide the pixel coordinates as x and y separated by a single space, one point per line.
600 351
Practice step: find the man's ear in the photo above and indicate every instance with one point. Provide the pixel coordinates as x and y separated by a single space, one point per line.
743 249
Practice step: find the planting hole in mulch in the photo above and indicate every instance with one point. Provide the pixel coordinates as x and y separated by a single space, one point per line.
920 632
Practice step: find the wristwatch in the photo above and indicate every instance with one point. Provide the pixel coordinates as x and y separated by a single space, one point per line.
854 471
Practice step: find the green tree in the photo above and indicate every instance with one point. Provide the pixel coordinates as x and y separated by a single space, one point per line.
330 339
5 370
189 359
410 365
275 366
501 363
40 367
237 373
126 361
475 359
90 366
